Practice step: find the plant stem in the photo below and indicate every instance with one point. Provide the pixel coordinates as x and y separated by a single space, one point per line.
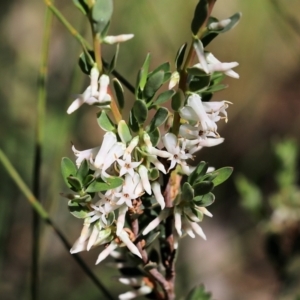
42 77
156 276
44 215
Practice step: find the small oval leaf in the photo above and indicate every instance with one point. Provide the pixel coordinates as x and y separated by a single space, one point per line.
140 111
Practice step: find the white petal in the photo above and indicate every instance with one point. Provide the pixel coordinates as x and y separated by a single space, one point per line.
143 171
94 81
144 290
154 223
104 82
158 195
93 237
170 142
177 219
109 141
121 218
153 159
188 113
75 105
110 248
130 245
198 230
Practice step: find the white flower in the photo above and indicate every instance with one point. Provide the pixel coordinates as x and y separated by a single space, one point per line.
214 65
103 96
89 155
157 194
195 111
219 25
109 152
124 238
138 283
155 222
178 155
94 93
133 143
130 190
127 166
110 39
143 171
218 107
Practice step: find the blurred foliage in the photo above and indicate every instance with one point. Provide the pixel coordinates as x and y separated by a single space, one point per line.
280 215
266 102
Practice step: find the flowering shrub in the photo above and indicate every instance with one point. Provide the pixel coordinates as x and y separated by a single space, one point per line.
141 185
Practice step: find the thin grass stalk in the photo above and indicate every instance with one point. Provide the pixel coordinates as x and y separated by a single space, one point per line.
45 217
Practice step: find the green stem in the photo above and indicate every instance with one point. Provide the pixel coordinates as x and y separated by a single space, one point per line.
84 43
44 215
38 153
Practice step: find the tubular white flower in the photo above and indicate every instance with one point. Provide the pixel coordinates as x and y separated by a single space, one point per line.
154 223
88 154
94 81
152 150
109 140
86 97
113 39
121 218
157 194
143 290
215 65
194 102
81 242
110 248
130 245
143 171
104 82
133 143
177 220
201 56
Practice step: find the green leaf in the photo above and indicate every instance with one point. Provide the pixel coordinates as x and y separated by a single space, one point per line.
187 192
164 97
196 71
212 33
144 72
177 101
223 175
154 136
119 92
88 179
159 118
104 122
82 6
77 210
163 67
216 88
75 183
113 62
101 14
83 170
140 111
202 188
180 56
167 77
200 16
198 172
133 123
198 293
154 82
84 63
99 185
153 174
199 83
68 168
205 200
124 132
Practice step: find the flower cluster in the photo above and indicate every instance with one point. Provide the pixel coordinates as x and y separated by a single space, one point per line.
142 177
